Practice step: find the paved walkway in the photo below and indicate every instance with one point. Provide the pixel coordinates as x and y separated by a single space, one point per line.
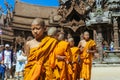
105 73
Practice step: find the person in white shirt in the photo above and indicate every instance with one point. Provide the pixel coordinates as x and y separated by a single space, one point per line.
20 62
7 58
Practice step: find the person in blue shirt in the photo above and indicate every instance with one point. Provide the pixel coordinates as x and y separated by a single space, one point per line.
2 66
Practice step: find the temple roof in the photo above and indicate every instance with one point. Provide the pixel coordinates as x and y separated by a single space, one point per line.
24 14
7 32
29 10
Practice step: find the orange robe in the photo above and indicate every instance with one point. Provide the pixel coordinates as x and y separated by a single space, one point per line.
75 60
86 60
63 71
38 58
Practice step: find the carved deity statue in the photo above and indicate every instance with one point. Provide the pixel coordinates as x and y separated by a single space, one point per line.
91 2
62 10
82 7
115 23
62 1
98 3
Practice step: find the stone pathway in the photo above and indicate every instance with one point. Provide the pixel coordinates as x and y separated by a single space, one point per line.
105 73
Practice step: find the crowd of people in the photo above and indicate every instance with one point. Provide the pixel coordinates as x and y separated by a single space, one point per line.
51 56
11 62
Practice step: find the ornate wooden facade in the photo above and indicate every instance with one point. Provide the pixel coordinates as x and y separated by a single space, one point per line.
25 13
73 16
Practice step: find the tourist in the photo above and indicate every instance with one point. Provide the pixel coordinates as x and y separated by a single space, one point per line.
38 51
111 46
88 48
63 59
7 58
20 62
2 66
75 59
105 48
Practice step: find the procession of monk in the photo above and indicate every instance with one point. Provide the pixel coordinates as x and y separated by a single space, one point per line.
53 56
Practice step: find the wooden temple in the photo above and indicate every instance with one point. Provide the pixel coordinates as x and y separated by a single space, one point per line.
72 16
6 32
24 15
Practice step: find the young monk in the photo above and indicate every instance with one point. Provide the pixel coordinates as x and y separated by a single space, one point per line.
88 48
63 69
52 32
38 51
75 59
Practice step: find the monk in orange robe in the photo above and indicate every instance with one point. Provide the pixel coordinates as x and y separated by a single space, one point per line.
88 48
63 58
38 51
52 32
75 59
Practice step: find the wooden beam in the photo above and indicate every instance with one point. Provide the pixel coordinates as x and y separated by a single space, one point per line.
26 21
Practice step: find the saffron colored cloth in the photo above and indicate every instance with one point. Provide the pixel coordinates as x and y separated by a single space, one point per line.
86 60
63 70
38 57
75 63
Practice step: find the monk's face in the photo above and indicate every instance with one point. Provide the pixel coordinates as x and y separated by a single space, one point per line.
60 36
37 31
71 43
56 36
86 36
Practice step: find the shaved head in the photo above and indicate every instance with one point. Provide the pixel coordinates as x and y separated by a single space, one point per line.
52 31
61 36
86 35
38 28
71 41
38 21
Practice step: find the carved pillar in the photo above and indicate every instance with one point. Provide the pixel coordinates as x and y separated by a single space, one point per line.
116 34
95 35
99 42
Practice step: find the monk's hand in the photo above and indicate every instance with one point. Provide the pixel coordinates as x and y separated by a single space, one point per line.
96 55
91 51
60 57
67 62
88 51
81 49
2 62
